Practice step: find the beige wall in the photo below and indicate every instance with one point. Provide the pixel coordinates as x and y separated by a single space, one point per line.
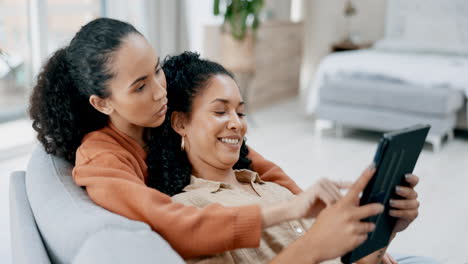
324 24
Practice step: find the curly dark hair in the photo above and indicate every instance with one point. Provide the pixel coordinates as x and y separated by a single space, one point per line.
168 166
59 104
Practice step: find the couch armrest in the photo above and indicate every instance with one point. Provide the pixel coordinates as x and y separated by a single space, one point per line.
26 242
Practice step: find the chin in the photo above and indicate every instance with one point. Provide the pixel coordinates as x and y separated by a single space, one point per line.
156 123
230 161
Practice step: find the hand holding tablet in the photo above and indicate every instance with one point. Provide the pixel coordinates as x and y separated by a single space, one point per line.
396 157
338 228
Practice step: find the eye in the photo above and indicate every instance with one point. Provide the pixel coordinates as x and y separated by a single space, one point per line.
158 70
241 114
141 88
220 112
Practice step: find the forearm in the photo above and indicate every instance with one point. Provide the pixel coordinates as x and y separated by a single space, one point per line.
229 227
298 252
278 213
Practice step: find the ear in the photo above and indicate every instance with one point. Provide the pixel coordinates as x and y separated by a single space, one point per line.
102 105
178 122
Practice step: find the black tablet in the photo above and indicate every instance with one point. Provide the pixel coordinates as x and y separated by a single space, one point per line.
396 156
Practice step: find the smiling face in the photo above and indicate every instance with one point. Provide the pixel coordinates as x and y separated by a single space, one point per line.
138 90
216 127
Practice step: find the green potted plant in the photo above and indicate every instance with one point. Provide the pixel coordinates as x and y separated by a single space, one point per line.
241 20
239 15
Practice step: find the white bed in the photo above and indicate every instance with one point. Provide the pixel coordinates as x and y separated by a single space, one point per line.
418 73
421 69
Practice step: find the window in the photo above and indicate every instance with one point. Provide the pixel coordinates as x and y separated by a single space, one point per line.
30 30
14 56
65 18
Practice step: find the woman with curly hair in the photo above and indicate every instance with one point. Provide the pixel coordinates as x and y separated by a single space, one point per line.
98 103
204 144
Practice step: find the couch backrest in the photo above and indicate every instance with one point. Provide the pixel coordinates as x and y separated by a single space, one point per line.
74 229
23 228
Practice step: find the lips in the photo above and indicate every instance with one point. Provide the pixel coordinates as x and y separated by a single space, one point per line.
162 111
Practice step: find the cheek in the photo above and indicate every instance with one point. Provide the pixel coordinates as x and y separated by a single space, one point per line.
124 104
244 126
136 108
162 79
206 130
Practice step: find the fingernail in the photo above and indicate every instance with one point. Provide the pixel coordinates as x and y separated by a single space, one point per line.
392 202
408 175
372 166
382 207
398 189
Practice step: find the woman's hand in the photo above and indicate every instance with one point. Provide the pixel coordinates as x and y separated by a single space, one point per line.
388 259
338 228
307 204
405 209
312 201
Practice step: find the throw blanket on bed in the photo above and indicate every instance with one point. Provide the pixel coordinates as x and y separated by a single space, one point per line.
422 69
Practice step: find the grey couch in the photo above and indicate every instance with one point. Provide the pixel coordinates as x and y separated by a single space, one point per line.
54 221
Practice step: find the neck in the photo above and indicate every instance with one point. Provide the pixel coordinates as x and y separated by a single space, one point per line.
133 131
206 171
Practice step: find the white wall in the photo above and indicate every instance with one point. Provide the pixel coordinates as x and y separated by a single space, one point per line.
324 24
199 14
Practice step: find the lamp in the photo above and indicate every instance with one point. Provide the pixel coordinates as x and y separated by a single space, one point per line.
349 11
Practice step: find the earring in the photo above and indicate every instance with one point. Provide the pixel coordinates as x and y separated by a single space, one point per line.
182 145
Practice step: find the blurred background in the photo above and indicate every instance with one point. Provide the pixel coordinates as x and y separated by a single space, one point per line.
321 80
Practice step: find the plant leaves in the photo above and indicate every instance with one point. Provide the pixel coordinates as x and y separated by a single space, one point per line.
237 15
216 7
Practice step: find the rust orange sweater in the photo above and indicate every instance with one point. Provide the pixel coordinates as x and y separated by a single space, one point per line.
111 165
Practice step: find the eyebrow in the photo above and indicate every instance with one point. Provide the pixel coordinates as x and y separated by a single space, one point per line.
224 101
143 77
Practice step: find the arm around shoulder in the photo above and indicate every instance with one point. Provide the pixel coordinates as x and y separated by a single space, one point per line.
113 183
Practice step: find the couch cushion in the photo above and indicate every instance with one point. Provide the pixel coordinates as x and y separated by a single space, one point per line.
395 96
68 220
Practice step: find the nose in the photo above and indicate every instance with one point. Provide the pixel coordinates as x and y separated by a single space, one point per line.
159 90
234 122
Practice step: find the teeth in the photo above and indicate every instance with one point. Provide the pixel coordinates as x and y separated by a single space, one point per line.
230 141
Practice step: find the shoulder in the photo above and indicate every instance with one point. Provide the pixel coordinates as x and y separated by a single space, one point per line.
104 135
100 143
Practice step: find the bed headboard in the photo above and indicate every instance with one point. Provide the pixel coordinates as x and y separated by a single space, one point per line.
439 26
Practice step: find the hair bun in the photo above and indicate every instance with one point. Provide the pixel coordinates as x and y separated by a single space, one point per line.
178 64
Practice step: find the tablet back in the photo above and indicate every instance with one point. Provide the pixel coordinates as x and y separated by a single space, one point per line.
396 156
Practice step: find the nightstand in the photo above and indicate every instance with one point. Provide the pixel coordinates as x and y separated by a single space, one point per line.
347 46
